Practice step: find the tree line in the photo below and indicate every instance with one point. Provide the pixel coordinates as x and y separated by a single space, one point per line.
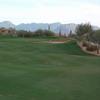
23 33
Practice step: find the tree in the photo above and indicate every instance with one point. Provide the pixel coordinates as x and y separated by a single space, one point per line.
95 38
60 33
83 29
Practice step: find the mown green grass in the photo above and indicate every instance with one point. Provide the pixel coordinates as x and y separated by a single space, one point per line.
42 71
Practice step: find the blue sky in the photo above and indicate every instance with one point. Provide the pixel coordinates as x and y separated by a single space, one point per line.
49 11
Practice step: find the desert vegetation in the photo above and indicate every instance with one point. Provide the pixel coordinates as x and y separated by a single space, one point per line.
23 33
89 38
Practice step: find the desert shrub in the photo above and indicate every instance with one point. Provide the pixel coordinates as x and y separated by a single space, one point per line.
43 33
38 33
85 44
49 33
91 48
24 34
95 36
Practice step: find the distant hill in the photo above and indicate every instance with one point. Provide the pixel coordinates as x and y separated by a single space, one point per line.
7 24
55 27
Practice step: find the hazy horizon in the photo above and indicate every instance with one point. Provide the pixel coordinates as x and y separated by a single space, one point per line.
50 11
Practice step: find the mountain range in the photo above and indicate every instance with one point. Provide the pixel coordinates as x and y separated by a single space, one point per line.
55 27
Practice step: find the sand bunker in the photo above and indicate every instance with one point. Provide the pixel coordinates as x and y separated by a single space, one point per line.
56 42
